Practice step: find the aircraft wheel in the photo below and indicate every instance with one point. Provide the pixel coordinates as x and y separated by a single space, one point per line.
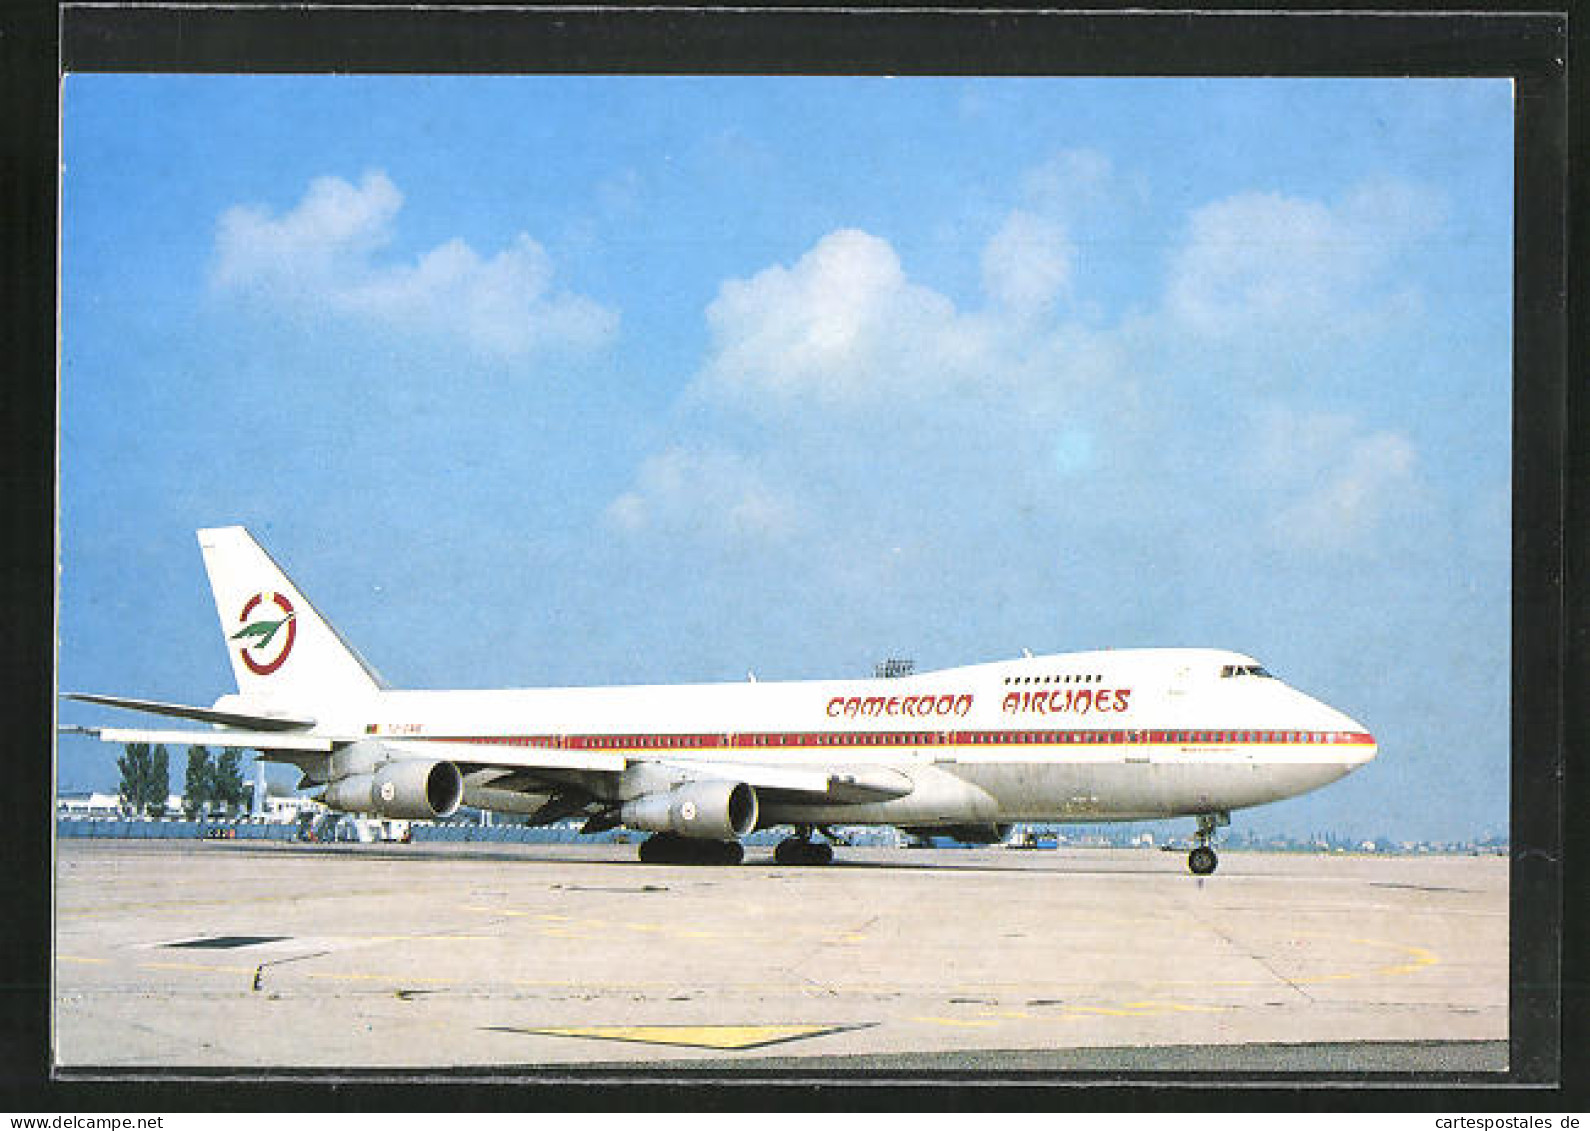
1202 861
657 849
667 848
795 852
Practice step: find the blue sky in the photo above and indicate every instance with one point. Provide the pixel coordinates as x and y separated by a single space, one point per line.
570 380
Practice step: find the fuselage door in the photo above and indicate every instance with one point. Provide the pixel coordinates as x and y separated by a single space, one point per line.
1137 747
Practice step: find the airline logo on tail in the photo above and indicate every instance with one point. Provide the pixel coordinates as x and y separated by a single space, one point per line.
267 635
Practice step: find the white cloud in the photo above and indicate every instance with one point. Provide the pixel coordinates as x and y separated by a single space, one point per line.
701 492
892 402
324 255
882 391
1333 484
1260 262
842 326
1260 259
334 223
846 329
1027 263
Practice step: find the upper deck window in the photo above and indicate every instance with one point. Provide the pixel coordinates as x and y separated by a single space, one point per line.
1230 671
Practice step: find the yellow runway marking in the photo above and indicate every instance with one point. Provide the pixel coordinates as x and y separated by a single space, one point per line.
964 1022
696 1036
74 958
1174 1007
1423 959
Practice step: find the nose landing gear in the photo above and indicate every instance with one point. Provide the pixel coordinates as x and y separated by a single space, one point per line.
1202 861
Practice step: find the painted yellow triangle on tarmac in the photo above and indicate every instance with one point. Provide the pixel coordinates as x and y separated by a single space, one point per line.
701 1036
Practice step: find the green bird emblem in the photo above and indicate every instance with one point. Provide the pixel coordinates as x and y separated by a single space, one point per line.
264 629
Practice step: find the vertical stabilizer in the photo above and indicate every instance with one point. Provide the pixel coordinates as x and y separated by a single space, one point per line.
282 650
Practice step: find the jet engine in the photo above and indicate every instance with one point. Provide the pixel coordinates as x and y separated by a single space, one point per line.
708 810
408 790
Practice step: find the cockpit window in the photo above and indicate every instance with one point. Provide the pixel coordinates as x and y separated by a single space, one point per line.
1231 671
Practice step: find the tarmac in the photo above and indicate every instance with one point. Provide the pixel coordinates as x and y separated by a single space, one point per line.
560 961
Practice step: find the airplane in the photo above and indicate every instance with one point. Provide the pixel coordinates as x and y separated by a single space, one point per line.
965 752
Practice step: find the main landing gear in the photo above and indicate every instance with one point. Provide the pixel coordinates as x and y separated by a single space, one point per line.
670 848
802 849
1202 861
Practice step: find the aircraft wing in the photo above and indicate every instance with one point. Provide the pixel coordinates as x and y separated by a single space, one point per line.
197 714
850 784
469 755
535 766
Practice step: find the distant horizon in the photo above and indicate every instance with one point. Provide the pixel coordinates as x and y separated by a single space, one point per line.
1236 841
1158 826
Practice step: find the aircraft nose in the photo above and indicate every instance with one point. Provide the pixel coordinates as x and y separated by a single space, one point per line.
1356 746
1361 745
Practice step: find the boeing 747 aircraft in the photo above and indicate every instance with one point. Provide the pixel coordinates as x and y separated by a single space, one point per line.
1123 735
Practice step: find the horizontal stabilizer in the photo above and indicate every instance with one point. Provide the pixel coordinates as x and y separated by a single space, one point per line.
197 714
226 739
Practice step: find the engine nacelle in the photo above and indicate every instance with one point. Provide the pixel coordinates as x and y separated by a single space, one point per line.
709 810
408 790
965 834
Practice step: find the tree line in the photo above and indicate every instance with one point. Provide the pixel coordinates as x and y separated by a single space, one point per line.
210 783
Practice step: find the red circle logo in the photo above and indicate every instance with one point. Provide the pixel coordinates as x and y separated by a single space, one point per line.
267 638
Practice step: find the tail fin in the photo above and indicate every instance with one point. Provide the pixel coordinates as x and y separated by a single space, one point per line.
282 650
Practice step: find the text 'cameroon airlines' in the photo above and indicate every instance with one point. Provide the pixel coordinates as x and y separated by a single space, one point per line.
1136 734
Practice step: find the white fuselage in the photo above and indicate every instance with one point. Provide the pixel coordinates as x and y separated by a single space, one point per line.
1087 736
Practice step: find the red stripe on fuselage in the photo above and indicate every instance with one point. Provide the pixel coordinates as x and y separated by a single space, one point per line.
871 739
